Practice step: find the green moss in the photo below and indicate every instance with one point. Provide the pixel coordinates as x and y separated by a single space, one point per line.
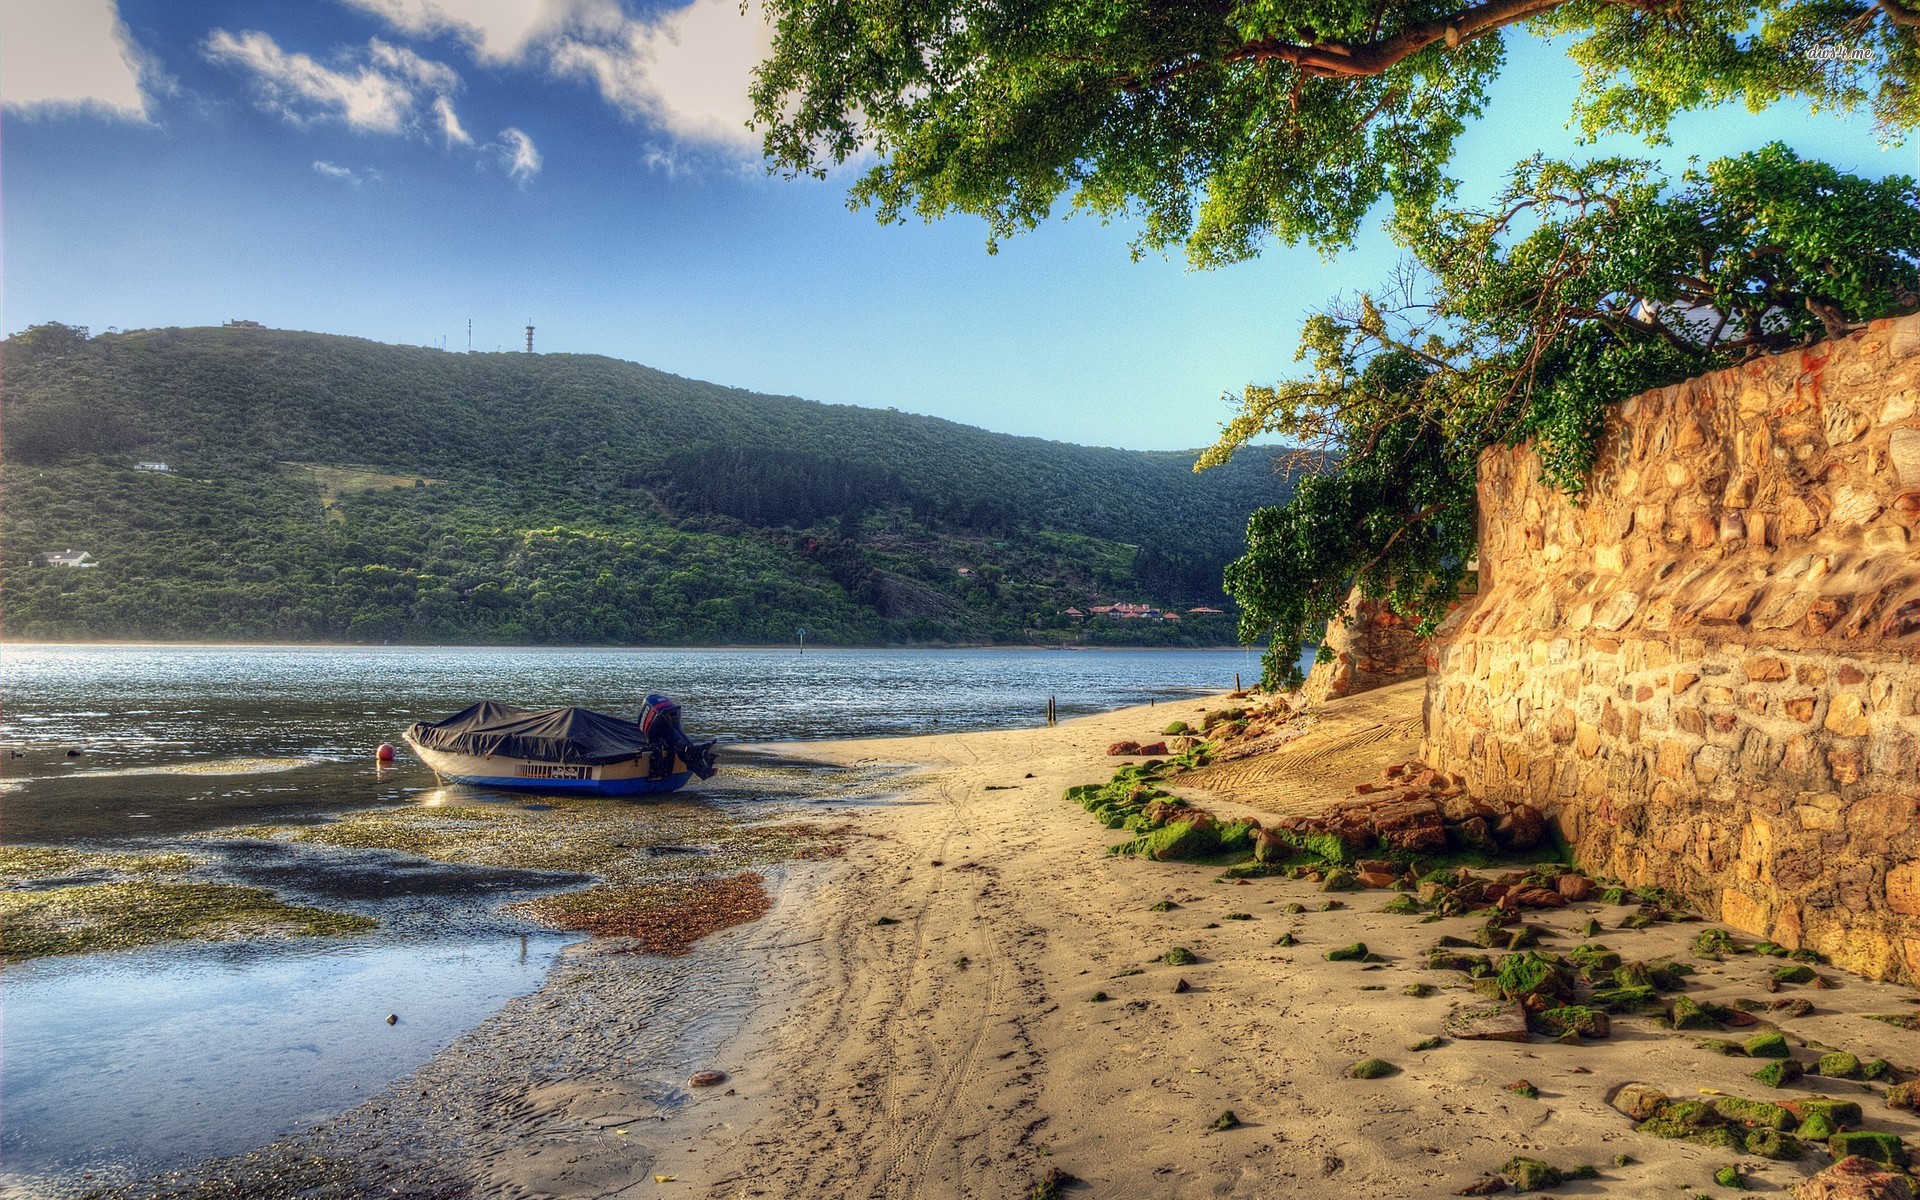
1357 950
1531 1175
1578 1018
1285 939
1524 1089
1371 1068
1331 905
1768 948
1880 1147
1239 916
1340 880
1898 1020
1840 1113
118 916
1795 973
1685 1119
1294 909
1192 837
1879 1068
1402 906
1593 962
1771 1143
1838 1064
1724 1046
1625 999
1176 728
1684 1013
1754 1112
1180 956
1714 944
1050 1184
1730 1177
1225 1121
1779 1073
1767 1045
1419 991
1162 906
23 864
1530 974
1428 1043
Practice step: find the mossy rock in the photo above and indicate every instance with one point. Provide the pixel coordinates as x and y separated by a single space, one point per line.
1294 910
1904 1096
1880 1147
1771 1143
1524 1089
1793 973
1770 1045
1340 880
1770 950
1532 974
1625 999
1428 1043
1779 1073
1715 943
1225 1121
1726 1046
1180 956
1633 974
1681 1119
1162 906
1593 963
1838 1064
1402 906
1730 1177
1285 939
1638 920
1176 728
1614 895
1346 953
1591 928
1531 1175
1371 1068
1331 905
1754 1112
1419 991
1684 1013
1879 1068
1577 1018
1842 1114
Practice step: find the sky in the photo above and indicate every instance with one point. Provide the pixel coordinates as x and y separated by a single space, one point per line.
393 169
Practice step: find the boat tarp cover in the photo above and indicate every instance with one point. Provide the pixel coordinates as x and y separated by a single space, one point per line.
559 735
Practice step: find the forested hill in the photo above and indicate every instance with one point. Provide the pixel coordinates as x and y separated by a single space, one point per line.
321 487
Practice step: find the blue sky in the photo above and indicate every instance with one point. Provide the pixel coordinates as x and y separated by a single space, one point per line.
391 168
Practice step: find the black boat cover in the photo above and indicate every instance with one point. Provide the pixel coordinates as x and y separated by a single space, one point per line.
557 735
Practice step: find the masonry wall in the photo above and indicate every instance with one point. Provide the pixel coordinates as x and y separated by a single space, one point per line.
1708 671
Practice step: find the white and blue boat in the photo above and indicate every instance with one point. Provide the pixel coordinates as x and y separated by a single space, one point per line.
563 750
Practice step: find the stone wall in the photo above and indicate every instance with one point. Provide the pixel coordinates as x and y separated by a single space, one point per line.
1708 671
1372 648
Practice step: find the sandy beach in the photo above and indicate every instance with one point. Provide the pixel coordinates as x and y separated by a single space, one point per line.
919 1019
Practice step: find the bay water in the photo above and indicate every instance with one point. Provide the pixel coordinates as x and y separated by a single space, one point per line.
147 1059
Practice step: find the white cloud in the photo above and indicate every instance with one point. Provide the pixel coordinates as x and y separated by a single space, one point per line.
498 30
384 94
337 172
517 154
72 55
450 123
686 70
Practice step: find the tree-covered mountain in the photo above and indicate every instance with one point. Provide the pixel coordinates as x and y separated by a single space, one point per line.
321 487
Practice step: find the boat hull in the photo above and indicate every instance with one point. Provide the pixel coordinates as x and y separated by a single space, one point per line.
626 778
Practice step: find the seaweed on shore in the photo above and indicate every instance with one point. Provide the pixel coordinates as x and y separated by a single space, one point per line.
119 916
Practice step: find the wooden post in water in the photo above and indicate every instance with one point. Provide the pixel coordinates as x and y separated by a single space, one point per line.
1051 717
1236 681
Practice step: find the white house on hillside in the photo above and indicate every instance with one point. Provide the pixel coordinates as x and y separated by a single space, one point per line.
68 558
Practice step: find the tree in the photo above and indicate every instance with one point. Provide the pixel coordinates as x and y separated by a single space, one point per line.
1220 123
1580 286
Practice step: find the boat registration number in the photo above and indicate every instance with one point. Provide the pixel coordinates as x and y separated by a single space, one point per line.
552 771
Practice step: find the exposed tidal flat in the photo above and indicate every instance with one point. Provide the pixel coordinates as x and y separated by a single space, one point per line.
224 812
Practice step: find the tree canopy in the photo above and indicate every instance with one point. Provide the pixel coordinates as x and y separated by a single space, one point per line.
1218 124
1578 287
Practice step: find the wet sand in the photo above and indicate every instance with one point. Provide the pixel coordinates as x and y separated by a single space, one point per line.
918 1019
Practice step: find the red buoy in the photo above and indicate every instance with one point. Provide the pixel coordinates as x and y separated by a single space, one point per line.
385 752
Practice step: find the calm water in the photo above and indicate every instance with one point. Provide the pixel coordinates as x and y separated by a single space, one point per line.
181 738
152 1058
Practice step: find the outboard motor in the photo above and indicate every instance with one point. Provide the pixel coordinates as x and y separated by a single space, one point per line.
660 725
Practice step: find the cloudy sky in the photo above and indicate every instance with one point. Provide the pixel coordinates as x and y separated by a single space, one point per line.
392 169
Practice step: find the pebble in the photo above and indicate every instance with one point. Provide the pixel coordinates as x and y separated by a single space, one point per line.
707 1078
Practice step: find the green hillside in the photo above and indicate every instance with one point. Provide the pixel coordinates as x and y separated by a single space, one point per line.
331 488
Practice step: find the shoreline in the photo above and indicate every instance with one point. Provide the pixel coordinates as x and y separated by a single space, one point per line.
923 1017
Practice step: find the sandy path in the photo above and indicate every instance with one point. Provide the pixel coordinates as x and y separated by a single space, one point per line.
884 1068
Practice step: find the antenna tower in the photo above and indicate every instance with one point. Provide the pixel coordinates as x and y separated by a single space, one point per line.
529 335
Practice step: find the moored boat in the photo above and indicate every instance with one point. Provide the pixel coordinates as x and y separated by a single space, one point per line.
567 750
